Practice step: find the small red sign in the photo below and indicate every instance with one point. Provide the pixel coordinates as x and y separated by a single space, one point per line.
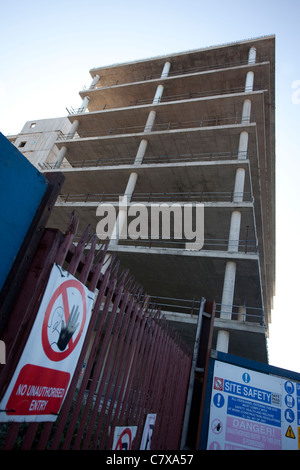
38 391
218 383
124 441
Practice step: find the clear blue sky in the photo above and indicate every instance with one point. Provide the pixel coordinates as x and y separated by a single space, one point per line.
47 49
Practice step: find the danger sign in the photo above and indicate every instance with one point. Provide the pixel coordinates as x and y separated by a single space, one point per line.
47 364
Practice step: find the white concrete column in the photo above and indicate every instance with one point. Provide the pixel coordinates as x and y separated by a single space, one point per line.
166 70
243 146
158 94
160 88
117 231
141 152
223 341
150 121
234 233
61 155
157 99
233 244
246 112
94 82
84 104
252 55
239 185
73 129
122 216
226 305
63 150
249 81
228 290
131 185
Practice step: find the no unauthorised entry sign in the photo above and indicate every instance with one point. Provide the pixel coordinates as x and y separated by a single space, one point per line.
64 320
47 364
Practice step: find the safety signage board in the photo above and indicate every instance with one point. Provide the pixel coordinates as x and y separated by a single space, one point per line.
45 369
251 410
147 432
123 437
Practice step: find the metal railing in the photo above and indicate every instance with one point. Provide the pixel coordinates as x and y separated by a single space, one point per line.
122 368
247 246
170 98
191 307
196 196
167 126
150 159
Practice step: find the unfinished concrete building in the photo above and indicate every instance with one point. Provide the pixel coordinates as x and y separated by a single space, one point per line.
199 127
37 140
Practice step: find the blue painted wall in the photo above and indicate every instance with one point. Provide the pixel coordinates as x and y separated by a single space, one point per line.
22 188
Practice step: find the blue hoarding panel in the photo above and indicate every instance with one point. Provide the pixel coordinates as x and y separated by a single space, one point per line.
22 188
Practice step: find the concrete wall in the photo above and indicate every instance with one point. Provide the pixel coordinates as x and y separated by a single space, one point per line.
36 139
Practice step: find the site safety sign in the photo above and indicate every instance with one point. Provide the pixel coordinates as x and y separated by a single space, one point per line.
47 364
251 410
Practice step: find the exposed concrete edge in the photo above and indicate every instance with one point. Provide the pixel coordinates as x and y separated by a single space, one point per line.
219 323
183 252
191 51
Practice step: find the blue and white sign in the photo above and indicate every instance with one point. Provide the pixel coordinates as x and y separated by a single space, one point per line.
251 410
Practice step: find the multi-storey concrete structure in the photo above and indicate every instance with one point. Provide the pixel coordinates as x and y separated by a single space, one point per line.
37 140
195 126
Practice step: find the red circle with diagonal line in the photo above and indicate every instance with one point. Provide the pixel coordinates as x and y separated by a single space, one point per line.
62 290
119 444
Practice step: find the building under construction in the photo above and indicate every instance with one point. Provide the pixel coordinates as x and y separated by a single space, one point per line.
194 127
